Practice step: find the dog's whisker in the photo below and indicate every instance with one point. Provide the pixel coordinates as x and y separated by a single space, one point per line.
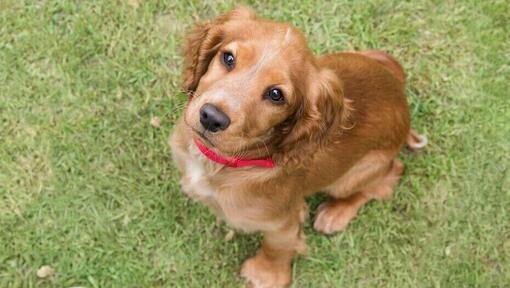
265 146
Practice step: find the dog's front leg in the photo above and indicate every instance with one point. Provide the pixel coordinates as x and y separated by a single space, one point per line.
271 267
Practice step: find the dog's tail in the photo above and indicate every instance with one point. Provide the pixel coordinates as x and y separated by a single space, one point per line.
388 61
416 141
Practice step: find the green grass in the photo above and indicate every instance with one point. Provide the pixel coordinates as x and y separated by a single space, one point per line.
87 185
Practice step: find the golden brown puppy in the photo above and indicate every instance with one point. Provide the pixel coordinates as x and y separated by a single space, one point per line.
268 124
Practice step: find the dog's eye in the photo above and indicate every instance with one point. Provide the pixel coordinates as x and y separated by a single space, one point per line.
228 60
275 95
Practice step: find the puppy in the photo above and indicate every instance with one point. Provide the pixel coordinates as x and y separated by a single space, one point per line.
268 124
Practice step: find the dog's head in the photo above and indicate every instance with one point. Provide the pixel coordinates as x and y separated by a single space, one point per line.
255 86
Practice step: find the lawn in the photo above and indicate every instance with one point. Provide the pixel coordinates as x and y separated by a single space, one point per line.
87 184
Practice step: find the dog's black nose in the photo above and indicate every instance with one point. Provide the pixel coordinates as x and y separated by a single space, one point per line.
213 119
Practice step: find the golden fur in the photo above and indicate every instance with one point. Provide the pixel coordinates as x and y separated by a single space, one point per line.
344 121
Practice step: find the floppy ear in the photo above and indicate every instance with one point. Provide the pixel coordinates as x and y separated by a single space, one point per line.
323 106
203 43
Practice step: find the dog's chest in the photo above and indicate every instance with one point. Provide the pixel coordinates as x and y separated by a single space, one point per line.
203 180
198 172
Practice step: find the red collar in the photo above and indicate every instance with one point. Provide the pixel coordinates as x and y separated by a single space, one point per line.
234 162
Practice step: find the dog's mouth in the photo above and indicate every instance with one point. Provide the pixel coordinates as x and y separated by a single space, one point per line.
202 137
196 133
255 149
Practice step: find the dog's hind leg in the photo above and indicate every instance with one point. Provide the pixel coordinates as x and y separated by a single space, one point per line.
377 182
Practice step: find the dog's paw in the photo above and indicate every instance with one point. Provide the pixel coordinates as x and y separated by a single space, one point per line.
262 273
333 216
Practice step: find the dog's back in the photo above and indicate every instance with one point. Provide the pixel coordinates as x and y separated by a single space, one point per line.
388 61
374 84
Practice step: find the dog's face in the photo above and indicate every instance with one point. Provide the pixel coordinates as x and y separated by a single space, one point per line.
251 81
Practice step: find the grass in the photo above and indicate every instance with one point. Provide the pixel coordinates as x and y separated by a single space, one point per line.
87 185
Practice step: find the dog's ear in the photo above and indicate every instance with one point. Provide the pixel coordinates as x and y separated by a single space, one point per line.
203 43
322 106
